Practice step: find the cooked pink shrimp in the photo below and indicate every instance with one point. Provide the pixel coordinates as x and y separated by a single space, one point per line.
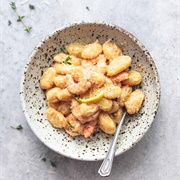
89 128
74 103
74 128
84 118
77 83
120 77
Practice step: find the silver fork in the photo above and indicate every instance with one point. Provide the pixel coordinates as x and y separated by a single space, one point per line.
106 165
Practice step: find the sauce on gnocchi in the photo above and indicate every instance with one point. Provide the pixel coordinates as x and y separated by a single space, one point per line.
87 88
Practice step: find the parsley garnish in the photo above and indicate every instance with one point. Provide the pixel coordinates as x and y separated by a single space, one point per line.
31 7
9 23
52 163
70 127
19 127
87 8
66 61
20 18
77 96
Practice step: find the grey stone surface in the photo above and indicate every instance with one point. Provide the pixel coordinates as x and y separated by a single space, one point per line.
155 23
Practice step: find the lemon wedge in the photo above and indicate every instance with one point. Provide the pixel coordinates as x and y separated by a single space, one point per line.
91 99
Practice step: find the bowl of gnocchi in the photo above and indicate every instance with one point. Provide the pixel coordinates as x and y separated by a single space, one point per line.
78 82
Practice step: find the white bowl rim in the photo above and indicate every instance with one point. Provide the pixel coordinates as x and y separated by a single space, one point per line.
134 38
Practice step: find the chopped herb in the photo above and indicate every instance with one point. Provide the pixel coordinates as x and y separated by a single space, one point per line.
52 163
9 23
20 18
44 159
87 8
28 29
77 96
13 5
19 127
66 61
31 7
70 127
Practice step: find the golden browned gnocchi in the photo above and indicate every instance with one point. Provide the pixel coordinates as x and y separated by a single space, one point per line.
118 65
46 80
125 93
91 51
111 50
75 49
134 101
106 124
56 118
134 78
87 88
60 81
51 95
62 58
105 104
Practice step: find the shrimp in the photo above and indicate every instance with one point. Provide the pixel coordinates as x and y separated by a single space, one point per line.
89 128
74 103
120 77
74 127
64 108
88 109
84 118
77 83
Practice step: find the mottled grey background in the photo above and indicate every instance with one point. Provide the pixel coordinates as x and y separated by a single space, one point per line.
155 23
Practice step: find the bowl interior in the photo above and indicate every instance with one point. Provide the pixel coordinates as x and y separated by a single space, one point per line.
34 101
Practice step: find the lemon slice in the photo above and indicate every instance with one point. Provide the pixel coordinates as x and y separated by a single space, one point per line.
92 99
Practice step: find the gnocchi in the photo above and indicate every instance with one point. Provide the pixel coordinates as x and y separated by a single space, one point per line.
87 88
134 101
125 93
118 65
106 124
111 50
134 78
46 80
56 118
91 51
75 49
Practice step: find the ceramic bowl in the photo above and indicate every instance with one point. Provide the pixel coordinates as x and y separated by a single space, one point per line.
34 102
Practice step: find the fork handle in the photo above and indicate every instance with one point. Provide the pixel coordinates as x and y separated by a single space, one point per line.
106 165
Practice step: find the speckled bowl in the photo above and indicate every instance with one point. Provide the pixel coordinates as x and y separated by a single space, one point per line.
34 102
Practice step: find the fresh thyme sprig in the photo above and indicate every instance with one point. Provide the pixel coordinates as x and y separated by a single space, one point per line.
19 127
20 18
